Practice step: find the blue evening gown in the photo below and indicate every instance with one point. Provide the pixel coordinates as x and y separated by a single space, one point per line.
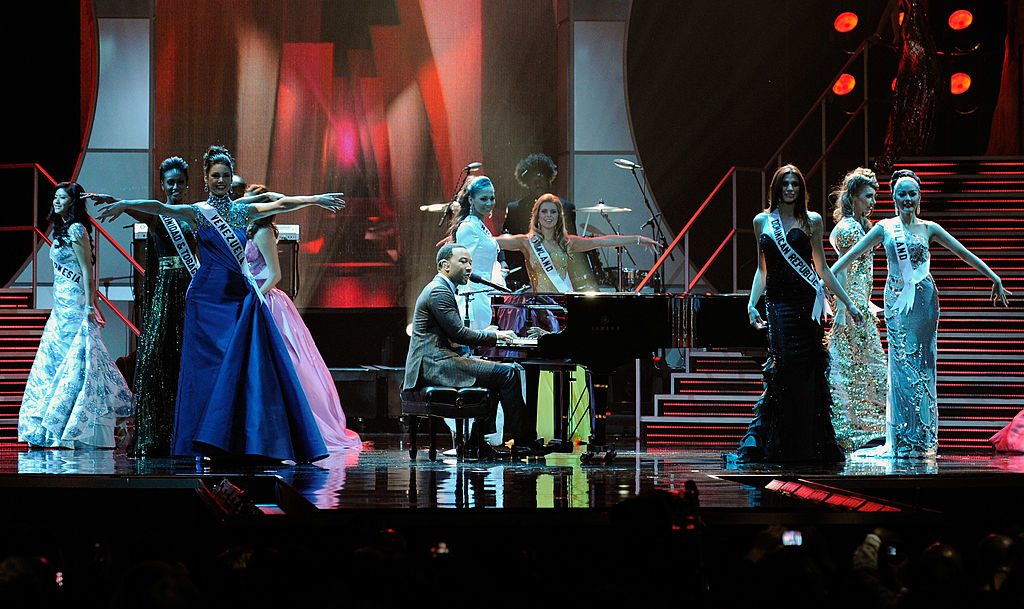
237 392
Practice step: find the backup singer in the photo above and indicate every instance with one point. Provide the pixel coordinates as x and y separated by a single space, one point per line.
555 264
858 372
238 392
74 393
535 173
912 316
318 385
792 420
550 251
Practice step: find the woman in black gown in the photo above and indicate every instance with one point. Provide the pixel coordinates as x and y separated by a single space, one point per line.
792 421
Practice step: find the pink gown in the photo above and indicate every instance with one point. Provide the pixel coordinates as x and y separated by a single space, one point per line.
1010 439
313 374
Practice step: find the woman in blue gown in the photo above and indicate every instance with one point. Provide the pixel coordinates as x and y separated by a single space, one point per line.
238 393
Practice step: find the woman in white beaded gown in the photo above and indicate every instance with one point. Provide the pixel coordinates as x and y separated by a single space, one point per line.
75 393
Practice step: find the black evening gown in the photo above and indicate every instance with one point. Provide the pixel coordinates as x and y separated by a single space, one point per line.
792 420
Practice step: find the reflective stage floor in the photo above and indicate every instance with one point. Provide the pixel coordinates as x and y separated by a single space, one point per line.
384 479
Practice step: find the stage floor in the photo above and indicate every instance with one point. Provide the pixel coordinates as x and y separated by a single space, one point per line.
384 478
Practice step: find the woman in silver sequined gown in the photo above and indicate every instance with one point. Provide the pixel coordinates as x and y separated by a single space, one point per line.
858 373
912 416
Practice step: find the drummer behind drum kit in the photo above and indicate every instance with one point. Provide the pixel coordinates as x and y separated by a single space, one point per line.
622 278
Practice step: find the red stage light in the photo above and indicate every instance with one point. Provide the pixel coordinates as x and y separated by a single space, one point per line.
959 83
893 85
844 84
961 19
845 22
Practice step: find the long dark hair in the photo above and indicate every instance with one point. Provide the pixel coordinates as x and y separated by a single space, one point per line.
775 193
78 213
472 186
217 155
256 225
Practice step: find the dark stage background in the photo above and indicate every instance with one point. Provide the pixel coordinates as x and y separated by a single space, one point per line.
387 99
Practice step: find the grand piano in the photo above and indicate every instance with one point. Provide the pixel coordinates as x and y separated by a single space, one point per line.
600 331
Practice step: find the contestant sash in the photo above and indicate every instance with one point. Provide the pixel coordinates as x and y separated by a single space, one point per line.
231 239
178 238
562 285
911 276
806 272
64 271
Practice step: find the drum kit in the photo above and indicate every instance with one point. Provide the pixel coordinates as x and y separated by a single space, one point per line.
620 277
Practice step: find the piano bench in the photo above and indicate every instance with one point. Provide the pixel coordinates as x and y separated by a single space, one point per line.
459 403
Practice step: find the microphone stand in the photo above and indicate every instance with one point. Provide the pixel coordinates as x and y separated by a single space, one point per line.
458 186
657 232
618 250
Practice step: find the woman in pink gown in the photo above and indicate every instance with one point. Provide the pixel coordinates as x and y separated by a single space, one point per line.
262 256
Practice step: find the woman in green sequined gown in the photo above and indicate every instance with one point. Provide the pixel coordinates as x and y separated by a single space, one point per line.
163 322
858 374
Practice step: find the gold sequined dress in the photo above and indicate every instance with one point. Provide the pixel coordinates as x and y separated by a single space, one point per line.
858 374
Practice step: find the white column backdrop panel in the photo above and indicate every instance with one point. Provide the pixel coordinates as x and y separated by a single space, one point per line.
123 97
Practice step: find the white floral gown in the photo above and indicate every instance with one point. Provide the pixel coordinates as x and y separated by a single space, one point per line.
74 392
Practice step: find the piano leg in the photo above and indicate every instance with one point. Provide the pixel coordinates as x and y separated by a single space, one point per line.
599 406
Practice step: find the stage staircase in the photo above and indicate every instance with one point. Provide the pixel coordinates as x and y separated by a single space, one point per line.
980 201
21 327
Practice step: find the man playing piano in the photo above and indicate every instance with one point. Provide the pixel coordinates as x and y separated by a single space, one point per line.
435 358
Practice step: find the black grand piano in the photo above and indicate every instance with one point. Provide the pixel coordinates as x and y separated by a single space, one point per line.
600 331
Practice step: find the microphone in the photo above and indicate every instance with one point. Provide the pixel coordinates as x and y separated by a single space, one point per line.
627 164
649 221
478 279
473 167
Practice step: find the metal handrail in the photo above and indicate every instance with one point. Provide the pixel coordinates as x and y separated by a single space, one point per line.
821 98
862 49
686 228
37 234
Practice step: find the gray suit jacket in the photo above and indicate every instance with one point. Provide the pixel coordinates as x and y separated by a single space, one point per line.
437 328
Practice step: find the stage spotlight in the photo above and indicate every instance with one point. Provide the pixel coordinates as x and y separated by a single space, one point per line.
961 19
844 84
845 22
892 85
959 83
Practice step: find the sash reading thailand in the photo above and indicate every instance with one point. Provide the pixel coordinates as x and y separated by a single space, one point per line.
178 238
911 276
231 239
562 285
773 228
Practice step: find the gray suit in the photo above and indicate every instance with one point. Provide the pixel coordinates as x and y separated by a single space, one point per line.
434 357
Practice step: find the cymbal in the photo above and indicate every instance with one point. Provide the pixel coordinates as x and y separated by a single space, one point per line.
434 207
601 207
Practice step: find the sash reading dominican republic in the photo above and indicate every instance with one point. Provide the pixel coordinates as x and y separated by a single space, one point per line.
773 228
911 276
178 238
562 285
231 239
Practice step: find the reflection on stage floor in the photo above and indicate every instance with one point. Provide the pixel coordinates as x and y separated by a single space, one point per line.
383 477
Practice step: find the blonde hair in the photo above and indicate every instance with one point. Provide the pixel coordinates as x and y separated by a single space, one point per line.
852 184
561 234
